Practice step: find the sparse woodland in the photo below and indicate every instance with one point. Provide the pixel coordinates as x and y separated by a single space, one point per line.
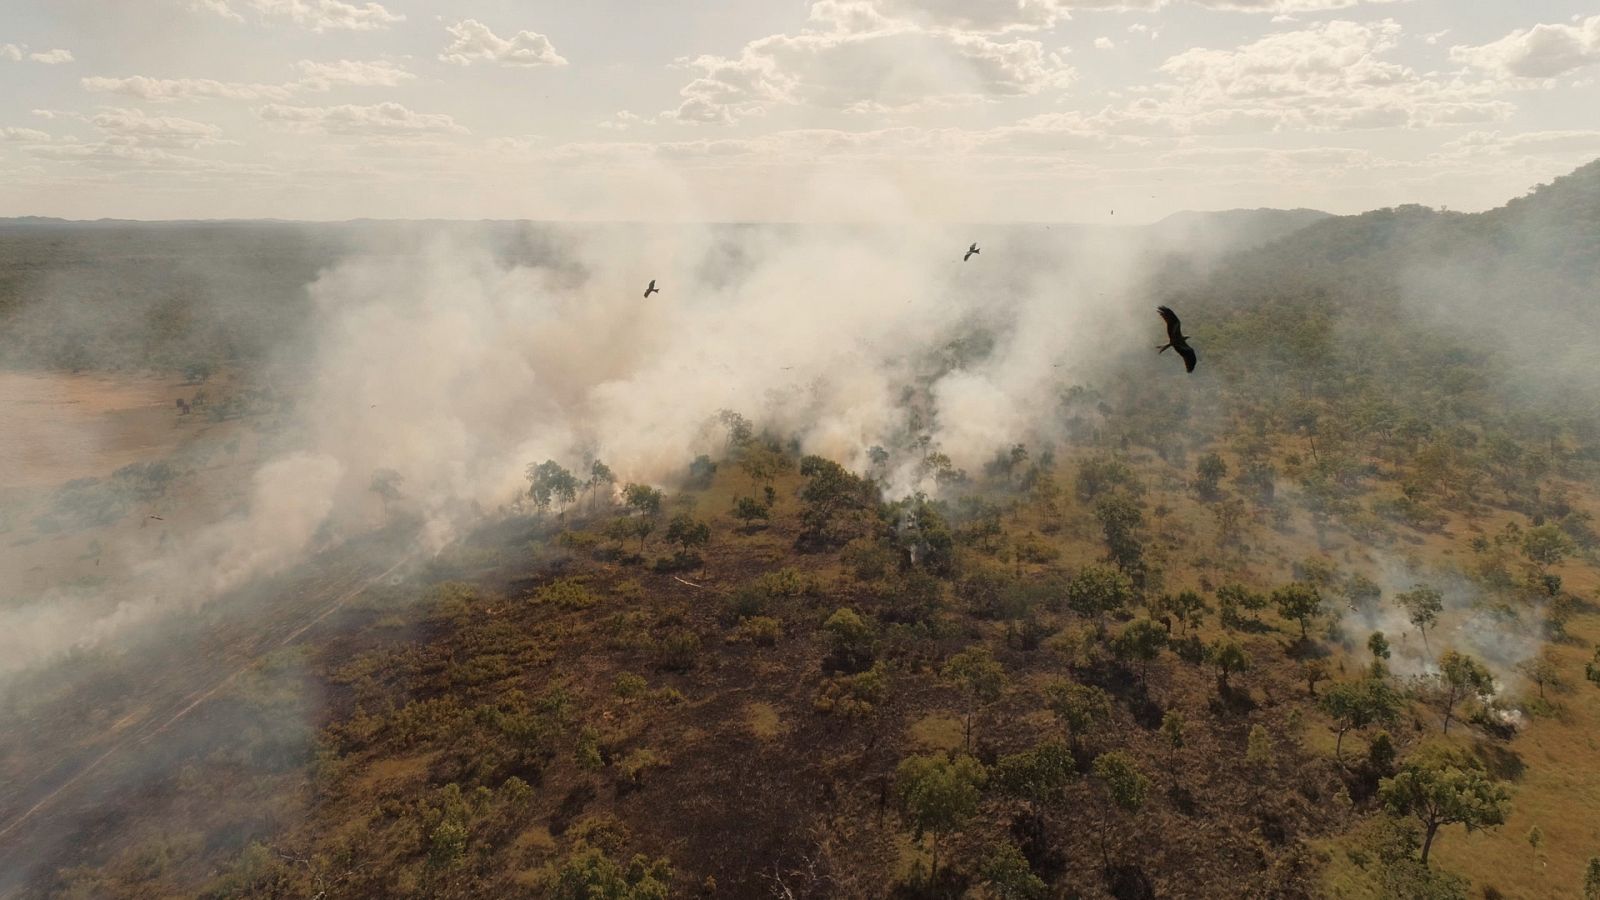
1318 621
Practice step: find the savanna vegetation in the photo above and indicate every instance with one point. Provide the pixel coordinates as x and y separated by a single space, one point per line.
1319 620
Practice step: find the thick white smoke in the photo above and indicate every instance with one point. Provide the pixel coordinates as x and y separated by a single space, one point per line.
456 368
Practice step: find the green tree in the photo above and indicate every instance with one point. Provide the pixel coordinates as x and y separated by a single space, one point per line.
938 795
1591 879
1542 672
1460 677
1097 590
851 638
1422 604
1120 520
642 499
1353 705
1172 732
1083 709
1547 545
1229 658
1188 609
688 533
1037 776
1378 646
701 471
1299 602
1591 669
549 483
1123 786
1141 641
1441 786
589 874
740 431
600 476
981 679
1208 472
1231 598
1258 749
749 509
837 504
1009 877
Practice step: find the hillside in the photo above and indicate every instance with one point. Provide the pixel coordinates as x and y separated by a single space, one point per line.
1318 621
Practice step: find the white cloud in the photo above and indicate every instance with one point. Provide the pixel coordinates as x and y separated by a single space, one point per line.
992 16
1543 51
15 53
1104 43
390 119
24 136
313 15
128 156
315 76
472 41
134 126
889 66
167 89
321 76
1329 76
1562 143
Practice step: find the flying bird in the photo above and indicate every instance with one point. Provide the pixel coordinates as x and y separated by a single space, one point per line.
652 289
970 251
1175 338
158 518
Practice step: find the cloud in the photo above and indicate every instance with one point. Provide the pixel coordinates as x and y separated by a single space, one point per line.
1543 51
863 64
24 136
1584 144
1329 76
161 90
313 15
15 53
388 119
1104 43
473 41
122 155
134 126
994 16
321 76
315 76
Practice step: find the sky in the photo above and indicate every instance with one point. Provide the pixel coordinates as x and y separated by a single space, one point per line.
1098 111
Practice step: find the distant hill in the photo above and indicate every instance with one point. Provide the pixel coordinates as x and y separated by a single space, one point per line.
1235 229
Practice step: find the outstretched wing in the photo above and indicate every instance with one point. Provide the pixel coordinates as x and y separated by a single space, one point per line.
1174 327
1189 357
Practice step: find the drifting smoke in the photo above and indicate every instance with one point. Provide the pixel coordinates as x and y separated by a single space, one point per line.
456 364
1473 621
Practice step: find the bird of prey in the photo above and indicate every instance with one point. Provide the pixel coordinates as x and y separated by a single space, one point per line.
652 289
970 251
1175 338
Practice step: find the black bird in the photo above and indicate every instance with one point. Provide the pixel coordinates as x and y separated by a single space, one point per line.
970 251
651 289
1175 338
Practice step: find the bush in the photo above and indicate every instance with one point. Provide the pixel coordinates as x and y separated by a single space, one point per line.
759 630
567 593
678 650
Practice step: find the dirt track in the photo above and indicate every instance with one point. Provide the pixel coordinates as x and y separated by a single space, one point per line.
49 819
